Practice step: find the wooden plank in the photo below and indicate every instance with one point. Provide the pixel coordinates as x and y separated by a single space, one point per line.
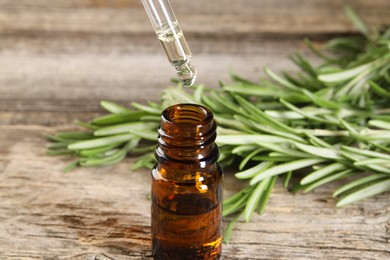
41 61
36 70
105 212
44 118
203 16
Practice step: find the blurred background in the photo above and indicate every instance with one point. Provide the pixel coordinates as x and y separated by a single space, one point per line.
61 57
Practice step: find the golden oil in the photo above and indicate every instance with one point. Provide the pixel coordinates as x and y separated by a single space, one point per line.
187 186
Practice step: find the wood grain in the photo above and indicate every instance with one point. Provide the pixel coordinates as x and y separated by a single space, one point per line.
202 16
59 58
70 50
91 67
46 214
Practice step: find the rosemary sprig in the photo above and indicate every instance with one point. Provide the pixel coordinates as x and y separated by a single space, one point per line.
328 122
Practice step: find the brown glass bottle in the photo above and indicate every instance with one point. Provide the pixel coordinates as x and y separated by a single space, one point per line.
187 186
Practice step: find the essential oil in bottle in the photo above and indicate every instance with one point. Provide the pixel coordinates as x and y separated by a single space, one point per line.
187 186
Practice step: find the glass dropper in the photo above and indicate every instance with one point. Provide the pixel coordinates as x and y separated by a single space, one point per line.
172 40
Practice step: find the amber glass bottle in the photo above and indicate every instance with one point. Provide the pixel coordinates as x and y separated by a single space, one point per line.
187 186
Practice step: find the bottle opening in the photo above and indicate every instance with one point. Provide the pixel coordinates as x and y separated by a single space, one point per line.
187 132
187 114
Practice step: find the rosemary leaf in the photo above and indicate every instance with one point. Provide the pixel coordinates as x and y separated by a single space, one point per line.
255 198
371 190
266 195
322 172
359 182
114 108
99 142
328 179
286 167
251 172
125 128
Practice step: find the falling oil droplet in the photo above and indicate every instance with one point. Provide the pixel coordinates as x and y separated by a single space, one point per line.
187 75
175 46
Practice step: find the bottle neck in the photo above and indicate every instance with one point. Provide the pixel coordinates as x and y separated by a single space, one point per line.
186 135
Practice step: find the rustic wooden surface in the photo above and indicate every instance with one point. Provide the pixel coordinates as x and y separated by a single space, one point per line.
59 58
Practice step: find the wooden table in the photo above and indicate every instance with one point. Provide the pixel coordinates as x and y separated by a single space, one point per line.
59 58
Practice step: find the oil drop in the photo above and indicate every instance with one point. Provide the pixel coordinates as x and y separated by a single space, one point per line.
172 39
